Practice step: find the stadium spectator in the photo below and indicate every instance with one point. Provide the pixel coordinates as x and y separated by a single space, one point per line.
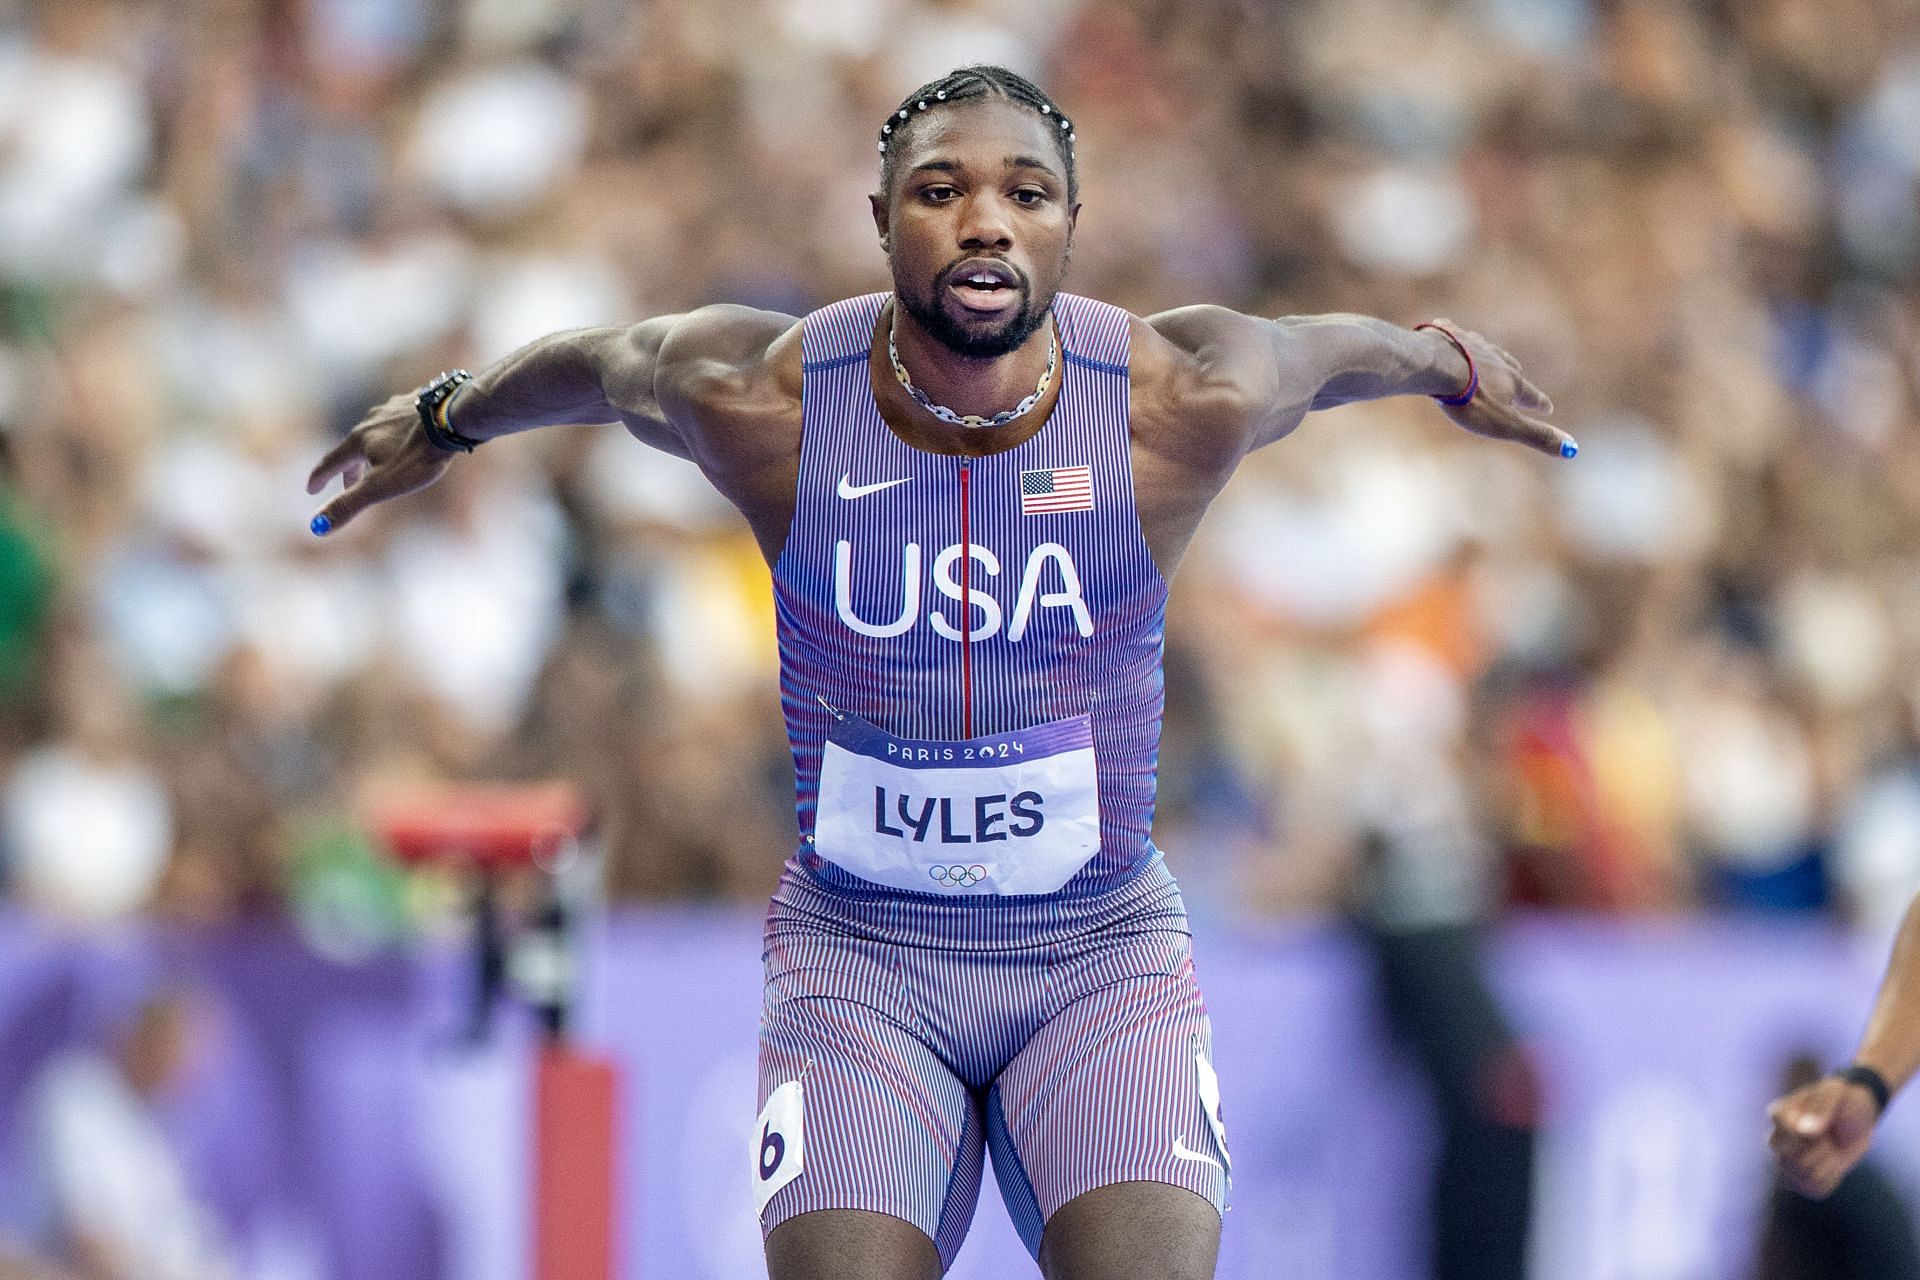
118 1202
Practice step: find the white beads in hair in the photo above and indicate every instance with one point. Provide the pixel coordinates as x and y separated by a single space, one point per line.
941 95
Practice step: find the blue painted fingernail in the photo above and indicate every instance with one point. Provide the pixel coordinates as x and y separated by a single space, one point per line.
320 526
1568 448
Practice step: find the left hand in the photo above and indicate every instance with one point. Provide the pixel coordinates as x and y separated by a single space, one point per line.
1499 410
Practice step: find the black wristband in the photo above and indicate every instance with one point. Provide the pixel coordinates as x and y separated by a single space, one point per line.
428 402
1870 1080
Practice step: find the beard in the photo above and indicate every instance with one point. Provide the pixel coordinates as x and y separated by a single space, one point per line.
982 339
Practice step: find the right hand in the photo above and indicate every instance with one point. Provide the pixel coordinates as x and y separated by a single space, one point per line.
1820 1131
387 454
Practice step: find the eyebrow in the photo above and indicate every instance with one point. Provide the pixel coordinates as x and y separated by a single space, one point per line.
1029 162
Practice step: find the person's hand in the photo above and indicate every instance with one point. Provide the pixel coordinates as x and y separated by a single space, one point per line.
387 454
1500 409
1820 1131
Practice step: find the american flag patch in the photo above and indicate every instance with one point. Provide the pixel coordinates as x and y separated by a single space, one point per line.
1056 489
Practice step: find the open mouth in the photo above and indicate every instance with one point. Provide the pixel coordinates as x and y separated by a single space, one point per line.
985 286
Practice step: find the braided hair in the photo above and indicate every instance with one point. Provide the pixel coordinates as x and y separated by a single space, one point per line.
969 84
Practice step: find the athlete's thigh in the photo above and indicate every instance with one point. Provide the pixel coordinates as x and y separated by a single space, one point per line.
1132 1231
1116 1088
850 1244
859 1118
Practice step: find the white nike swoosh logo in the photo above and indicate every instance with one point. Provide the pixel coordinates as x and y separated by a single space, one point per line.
850 490
1184 1152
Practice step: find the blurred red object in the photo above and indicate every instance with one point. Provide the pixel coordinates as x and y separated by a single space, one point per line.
576 1166
493 826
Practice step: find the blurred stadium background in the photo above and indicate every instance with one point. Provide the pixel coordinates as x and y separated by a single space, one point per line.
1653 715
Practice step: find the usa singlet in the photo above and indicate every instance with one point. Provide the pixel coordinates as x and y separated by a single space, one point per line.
970 647
976 948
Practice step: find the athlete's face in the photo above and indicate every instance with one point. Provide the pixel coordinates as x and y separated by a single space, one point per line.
978 228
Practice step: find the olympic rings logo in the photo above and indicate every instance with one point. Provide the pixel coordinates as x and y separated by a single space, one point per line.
957 875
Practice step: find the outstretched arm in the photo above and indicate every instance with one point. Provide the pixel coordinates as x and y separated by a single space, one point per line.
1822 1130
1295 364
632 374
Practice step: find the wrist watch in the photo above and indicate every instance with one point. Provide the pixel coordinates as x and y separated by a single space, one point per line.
432 403
1870 1080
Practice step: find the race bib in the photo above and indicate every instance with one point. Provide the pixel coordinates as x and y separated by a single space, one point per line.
1011 813
780 1142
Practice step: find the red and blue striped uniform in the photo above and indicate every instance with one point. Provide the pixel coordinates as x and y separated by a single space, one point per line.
948 599
920 683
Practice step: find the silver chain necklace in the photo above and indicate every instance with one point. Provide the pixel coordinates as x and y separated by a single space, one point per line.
945 414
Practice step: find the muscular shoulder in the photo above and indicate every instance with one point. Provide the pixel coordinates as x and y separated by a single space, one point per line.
729 378
724 356
1204 378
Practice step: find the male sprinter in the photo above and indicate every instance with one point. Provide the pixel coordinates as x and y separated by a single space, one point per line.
1821 1130
971 492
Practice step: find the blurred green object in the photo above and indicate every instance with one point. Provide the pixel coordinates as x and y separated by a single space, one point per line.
26 312
26 598
349 900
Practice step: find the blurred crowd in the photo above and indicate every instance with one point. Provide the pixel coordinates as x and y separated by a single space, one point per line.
1678 673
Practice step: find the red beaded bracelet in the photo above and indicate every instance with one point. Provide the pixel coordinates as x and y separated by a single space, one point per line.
1473 373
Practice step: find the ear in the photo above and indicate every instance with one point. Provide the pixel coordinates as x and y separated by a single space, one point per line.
878 201
1073 218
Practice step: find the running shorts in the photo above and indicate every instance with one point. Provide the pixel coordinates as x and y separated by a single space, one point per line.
897 1050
